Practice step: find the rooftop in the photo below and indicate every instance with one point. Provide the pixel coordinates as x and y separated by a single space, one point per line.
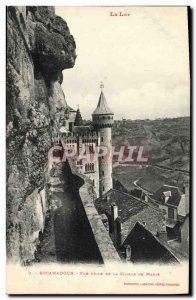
146 247
102 107
127 205
83 129
78 119
131 210
175 193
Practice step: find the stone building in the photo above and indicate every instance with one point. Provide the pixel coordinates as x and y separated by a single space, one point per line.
89 139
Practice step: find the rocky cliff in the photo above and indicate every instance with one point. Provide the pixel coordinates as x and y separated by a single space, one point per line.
39 48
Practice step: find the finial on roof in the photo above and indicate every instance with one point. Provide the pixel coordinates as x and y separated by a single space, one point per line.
102 107
78 106
78 118
101 86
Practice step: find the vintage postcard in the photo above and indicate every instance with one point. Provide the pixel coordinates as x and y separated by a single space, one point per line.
98 150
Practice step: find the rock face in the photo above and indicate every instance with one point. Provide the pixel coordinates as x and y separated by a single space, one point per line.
39 47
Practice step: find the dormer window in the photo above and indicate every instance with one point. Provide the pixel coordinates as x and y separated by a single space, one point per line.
167 195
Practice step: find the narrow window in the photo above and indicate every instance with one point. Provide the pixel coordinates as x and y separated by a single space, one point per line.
102 173
102 139
91 149
170 213
103 188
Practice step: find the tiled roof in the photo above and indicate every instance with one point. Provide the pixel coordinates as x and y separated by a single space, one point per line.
174 199
102 107
127 205
153 218
83 129
142 241
131 210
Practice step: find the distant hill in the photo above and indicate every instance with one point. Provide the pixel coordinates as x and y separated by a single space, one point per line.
167 141
167 144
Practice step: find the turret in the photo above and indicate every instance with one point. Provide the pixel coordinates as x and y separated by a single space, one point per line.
103 122
78 119
102 116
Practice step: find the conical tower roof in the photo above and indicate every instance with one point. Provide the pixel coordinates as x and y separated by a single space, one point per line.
78 119
102 107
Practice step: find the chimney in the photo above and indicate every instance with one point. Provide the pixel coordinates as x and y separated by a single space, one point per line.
107 198
114 214
162 236
116 226
146 198
128 252
117 232
162 233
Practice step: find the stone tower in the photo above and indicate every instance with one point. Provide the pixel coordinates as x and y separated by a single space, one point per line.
103 122
78 119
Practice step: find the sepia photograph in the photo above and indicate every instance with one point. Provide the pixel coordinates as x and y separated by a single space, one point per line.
98 134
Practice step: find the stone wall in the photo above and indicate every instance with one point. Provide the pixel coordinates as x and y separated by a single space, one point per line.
39 47
98 231
74 232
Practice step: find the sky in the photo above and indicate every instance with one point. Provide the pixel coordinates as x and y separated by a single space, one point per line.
142 59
